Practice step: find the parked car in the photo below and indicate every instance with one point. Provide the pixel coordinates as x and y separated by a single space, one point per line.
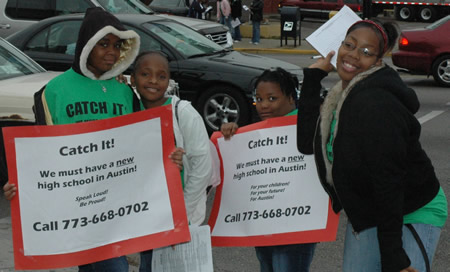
218 81
20 78
175 7
426 51
321 8
18 14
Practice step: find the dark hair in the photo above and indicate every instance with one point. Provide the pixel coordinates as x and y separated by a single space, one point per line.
141 55
288 83
390 30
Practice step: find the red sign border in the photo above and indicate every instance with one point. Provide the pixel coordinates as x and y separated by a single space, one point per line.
321 235
179 234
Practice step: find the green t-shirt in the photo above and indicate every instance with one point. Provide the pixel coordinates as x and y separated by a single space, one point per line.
73 98
434 213
294 112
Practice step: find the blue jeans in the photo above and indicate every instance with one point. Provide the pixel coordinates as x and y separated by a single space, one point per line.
227 22
256 31
285 258
119 264
146 261
237 34
364 254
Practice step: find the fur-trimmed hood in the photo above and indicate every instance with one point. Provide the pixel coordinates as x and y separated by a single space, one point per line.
98 23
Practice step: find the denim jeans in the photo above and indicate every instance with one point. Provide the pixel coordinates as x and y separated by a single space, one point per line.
237 33
363 254
119 264
227 22
256 31
285 258
146 261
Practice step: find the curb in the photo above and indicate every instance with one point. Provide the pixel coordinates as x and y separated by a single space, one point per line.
278 50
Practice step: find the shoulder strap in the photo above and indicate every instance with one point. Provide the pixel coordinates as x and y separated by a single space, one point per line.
421 246
38 107
136 101
176 111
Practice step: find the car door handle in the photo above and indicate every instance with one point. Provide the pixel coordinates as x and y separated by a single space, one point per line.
5 26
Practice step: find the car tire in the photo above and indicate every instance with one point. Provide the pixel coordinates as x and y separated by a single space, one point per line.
223 104
441 70
404 13
427 14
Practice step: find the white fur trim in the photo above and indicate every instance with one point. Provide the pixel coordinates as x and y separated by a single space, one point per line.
333 101
126 57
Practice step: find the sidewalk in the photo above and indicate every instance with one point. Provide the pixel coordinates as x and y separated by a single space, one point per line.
270 40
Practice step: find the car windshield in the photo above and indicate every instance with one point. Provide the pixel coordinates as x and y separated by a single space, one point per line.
438 22
124 6
185 40
14 63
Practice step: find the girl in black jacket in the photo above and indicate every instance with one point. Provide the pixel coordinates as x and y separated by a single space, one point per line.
365 138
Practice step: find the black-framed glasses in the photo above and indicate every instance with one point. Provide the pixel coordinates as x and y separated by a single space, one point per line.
364 51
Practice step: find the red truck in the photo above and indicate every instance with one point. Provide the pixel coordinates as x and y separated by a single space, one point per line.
408 10
422 10
321 8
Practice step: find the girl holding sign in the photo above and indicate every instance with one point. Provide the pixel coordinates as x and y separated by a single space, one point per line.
151 78
365 138
276 96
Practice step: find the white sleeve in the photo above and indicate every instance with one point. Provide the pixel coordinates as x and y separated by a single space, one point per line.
199 165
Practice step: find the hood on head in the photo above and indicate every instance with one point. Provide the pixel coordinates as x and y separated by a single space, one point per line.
98 23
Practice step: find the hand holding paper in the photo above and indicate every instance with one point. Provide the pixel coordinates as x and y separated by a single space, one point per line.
324 63
329 36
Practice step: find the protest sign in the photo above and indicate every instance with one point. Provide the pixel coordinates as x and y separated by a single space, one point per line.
94 190
270 193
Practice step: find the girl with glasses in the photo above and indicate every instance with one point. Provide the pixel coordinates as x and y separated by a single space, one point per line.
365 138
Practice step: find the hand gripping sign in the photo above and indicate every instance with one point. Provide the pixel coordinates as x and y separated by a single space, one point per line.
270 194
95 190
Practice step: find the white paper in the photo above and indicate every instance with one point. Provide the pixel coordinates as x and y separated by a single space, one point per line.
270 188
111 182
330 35
235 22
195 256
245 8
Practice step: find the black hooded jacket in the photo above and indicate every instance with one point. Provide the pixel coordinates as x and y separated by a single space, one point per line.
380 171
97 23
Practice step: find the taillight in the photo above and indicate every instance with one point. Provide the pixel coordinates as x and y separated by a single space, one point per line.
403 41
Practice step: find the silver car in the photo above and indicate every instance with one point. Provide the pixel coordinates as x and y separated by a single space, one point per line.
20 78
16 15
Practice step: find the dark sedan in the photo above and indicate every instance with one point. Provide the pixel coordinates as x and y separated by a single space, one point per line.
218 81
175 7
426 51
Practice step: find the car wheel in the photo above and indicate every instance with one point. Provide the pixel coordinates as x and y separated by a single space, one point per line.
404 13
223 104
441 70
427 14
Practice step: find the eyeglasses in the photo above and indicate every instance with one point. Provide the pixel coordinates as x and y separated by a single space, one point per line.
364 51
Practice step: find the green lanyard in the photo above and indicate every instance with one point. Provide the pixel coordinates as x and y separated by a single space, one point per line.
331 138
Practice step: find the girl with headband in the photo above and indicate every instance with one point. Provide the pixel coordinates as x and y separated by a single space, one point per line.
365 138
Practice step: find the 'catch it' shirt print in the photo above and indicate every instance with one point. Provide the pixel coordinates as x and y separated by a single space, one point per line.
74 98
